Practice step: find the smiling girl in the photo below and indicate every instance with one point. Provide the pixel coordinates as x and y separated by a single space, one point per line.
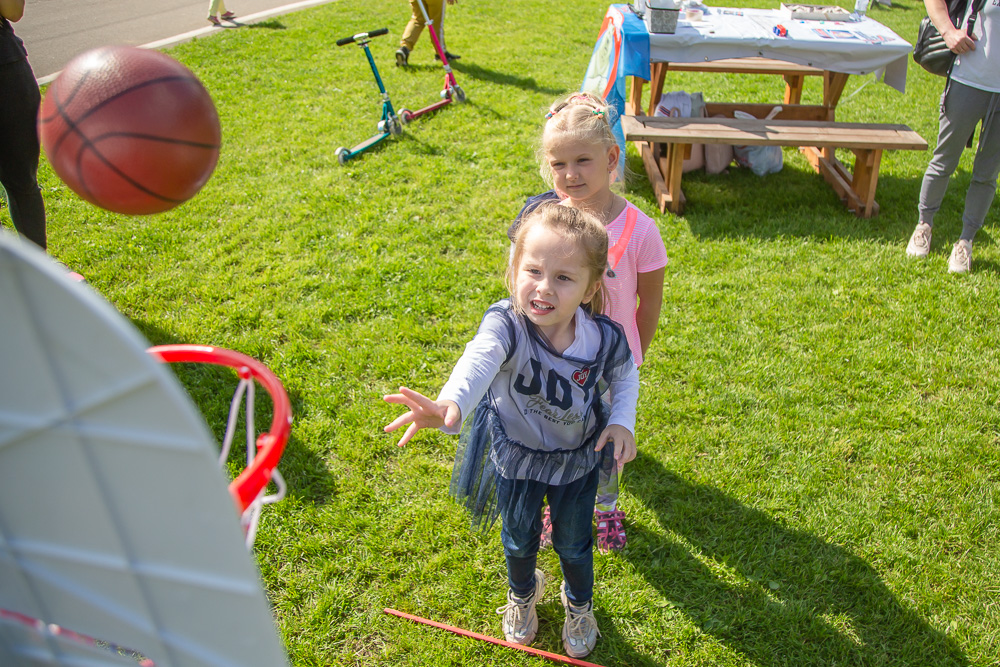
531 389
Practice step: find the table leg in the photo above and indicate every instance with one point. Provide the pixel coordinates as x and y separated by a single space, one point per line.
793 88
653 172
833 87
668 191
856 190
658 72
674 169
633 105
866 166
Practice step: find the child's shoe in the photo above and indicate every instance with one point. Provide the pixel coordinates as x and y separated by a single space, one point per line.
402 56
228 16
546 538
610 531
520 622
580 631
214 20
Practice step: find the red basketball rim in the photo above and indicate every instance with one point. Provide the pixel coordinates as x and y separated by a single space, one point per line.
271 444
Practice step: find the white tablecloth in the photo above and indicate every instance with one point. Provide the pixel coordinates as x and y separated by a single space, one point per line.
837 46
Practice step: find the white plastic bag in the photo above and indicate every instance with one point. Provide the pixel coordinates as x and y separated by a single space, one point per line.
761 160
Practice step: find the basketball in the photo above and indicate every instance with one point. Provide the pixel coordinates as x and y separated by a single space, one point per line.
130 130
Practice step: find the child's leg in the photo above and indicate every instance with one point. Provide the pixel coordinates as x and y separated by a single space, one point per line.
215 7
413 29
572 510
572 507
520 503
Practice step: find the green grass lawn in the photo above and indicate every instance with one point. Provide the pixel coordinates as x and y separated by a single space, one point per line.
818 474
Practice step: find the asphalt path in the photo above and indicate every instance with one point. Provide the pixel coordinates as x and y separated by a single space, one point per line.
54 31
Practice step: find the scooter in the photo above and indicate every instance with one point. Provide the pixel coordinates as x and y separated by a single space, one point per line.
452 91
390 123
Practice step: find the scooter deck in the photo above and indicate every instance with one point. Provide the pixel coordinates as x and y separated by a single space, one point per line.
430 108
369 142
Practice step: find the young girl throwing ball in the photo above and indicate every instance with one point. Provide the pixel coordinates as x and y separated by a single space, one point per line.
531 390
579 157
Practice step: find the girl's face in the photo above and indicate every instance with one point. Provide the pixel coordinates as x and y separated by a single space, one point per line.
552 280
582 170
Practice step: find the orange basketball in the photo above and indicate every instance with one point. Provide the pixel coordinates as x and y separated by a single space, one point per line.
130 130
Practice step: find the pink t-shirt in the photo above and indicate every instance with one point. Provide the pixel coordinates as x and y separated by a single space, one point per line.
645 252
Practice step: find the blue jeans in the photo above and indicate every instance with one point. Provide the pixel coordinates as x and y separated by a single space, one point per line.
571 507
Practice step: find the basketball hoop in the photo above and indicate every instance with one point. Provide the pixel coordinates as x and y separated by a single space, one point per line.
248 488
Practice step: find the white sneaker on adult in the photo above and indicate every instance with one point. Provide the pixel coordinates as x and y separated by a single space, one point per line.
520 622
580 631
961 257
920 241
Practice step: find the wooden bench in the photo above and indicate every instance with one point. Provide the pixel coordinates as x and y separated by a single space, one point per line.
817 139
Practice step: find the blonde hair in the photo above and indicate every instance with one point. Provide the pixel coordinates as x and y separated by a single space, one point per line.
576 117
578 227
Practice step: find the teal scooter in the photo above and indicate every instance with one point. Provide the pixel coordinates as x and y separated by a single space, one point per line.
389 125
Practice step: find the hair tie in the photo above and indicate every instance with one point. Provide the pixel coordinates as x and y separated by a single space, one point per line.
598 112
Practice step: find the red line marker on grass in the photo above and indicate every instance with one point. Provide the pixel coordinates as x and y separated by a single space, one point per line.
554 657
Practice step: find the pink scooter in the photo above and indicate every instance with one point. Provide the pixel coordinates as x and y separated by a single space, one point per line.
452 91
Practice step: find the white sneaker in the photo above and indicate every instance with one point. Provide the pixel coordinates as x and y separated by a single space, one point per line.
580 631
961 257
520 622
920 242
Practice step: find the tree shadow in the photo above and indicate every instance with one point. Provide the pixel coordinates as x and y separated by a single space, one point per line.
504 79
270 24
794 599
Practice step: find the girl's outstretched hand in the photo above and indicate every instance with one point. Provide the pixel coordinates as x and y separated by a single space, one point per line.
424 413
624 443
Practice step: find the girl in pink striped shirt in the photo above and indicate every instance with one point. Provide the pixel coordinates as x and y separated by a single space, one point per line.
579 157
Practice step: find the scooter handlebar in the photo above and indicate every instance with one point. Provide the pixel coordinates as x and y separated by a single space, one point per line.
362 36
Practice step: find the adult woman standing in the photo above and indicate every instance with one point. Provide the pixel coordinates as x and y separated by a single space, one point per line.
971 95
19 148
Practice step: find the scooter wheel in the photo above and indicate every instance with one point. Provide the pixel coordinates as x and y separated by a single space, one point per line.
459 94
405 116
394 126
341 154
446 93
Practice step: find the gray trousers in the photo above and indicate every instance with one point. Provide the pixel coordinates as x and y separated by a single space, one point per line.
962 107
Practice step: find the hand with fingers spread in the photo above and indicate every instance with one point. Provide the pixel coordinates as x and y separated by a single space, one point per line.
623 441
423 413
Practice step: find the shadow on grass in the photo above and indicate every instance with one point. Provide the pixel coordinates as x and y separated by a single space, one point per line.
803 601
798 202
484 74
211 388
270 24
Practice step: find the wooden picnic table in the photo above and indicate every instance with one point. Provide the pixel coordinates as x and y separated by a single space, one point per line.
737 41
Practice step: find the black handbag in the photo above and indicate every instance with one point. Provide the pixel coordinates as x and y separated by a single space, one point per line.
930 50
